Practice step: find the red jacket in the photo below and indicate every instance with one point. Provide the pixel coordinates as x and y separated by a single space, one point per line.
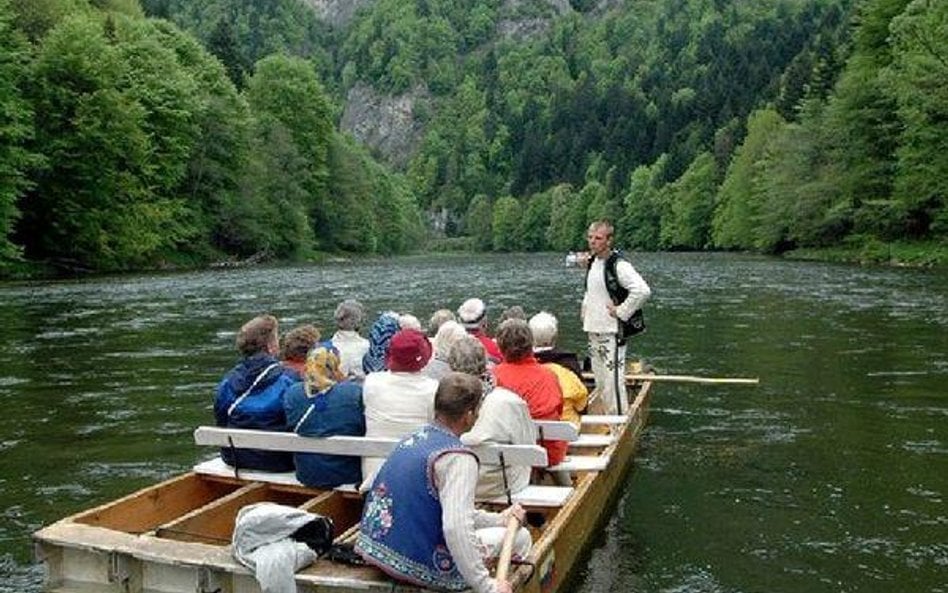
489 344
539 387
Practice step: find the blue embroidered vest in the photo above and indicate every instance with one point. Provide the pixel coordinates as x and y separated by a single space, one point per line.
401 529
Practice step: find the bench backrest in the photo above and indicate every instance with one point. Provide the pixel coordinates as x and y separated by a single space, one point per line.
532 455
556 430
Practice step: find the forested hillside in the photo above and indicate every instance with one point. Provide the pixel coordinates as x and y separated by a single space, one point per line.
124 145
135 135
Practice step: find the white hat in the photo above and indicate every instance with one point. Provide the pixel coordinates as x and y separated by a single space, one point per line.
471 313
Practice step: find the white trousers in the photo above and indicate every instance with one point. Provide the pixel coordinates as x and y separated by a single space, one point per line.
602 353
492 539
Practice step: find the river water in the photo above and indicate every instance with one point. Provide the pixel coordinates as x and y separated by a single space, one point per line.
831 475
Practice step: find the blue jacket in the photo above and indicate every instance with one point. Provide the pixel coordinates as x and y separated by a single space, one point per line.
251 396
338 411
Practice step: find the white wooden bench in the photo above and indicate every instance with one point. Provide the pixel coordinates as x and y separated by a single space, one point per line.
603 420
243 438
532 455
560 430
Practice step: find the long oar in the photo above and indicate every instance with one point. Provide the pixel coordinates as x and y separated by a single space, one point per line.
693 379
506 549
686 379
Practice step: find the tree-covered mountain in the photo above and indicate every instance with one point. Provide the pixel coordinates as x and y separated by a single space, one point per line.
196 129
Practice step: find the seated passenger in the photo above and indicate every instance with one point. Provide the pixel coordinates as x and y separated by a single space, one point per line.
448 334
251 394
379 337
545 328
325 404
419 524
511 312
473 316
521 373
565 365
351 346
401 399
294 348
409 321
438 318
504 418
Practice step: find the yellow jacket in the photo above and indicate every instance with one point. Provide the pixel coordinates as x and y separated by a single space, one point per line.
575 393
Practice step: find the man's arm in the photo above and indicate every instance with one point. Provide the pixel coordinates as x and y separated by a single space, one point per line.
635 284
456 475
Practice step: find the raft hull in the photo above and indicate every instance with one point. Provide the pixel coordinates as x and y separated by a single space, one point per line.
174 537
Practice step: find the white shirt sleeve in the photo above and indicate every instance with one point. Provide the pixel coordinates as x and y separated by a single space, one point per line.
635 284
456 476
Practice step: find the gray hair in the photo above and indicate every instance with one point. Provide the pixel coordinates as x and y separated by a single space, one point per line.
513 312
448 335
409 321
544 327
349 315
468 356
438 318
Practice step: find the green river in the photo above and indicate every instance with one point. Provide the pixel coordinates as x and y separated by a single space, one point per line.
830 476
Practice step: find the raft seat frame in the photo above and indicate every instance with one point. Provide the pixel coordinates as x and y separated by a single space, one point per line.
534 496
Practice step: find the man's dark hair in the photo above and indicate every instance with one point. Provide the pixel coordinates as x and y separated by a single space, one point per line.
256 335
457 394
515 340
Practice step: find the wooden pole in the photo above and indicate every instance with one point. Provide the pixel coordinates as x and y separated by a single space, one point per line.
506 549
630 377
693 379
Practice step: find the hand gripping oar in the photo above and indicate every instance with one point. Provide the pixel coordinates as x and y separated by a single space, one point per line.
506 549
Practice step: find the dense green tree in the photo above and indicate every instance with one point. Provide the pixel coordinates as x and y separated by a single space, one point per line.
686 223
219 163
802 203
15 130
535 222
284 92
918 79
242 32
641 222
505 224
739 200
350 204
399 221
114 207
478 222
36 17
567 219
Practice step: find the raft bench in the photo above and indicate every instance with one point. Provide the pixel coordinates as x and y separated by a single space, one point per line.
558 430
532 455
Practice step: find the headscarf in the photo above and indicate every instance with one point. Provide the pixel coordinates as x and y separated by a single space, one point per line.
322 370
379 337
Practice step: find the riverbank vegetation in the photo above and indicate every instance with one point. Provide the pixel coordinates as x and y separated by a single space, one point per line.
177 133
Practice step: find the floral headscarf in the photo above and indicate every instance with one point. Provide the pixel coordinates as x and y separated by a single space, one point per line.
322 370
380 336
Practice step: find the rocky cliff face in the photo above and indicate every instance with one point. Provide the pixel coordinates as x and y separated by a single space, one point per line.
337 13
390 124
524 19
385 123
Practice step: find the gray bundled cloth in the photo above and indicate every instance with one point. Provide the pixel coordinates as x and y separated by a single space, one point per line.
263 544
